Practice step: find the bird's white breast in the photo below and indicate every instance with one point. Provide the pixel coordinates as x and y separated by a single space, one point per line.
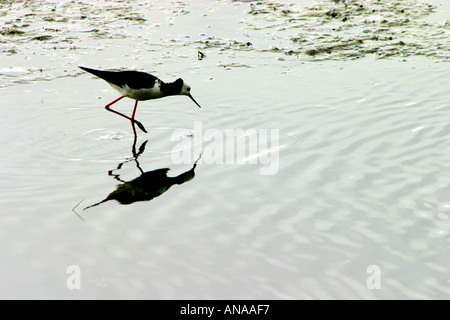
141 93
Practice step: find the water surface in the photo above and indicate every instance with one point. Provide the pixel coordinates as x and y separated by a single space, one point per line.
362 173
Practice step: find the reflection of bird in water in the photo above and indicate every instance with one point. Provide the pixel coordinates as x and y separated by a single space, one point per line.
147 186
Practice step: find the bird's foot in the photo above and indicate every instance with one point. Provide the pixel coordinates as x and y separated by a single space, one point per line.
140 126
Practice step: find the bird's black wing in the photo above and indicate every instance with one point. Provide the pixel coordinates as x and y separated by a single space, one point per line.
132 79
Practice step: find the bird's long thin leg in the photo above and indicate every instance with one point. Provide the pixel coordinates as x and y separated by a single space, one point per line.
134 133
107 107
133 148
134 110
134 121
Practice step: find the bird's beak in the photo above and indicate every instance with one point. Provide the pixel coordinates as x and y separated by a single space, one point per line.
189 95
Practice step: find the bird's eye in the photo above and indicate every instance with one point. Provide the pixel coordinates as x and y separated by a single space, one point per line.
188 89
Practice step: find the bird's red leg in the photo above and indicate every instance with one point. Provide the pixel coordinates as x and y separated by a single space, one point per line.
134 110
107 107
133 121
134 133
132 124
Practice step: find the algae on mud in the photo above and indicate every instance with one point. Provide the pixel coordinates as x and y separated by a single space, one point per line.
328 30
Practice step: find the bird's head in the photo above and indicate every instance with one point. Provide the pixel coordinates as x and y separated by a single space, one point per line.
186 90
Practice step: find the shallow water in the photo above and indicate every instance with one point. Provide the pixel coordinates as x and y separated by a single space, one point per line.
359 168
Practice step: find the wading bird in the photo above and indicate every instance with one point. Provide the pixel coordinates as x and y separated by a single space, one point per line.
140 86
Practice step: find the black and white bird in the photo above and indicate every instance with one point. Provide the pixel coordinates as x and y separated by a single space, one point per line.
140 86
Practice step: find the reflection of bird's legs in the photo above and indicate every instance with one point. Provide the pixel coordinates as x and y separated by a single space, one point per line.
116 176
135 157
133 148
